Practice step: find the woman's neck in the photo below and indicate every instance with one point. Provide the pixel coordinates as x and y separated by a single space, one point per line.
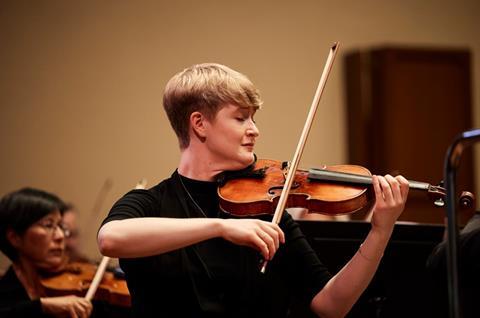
195 166
28 275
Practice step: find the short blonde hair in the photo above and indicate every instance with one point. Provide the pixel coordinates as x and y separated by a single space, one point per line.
205 88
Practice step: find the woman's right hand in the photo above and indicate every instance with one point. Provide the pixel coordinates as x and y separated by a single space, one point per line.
260 235
67 306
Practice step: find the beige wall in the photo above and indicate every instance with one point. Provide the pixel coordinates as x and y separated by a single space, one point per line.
81 83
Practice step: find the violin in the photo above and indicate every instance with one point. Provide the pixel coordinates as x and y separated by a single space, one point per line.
76 279
330 190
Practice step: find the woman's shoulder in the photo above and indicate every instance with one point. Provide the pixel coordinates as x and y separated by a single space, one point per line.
8 278
11 289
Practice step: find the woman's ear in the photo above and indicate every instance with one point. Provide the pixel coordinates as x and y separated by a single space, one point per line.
14 238
197 123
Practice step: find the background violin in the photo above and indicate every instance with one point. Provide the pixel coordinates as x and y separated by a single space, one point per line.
76 279
331 190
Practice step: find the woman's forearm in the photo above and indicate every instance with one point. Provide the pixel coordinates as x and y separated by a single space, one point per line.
141 237
344 289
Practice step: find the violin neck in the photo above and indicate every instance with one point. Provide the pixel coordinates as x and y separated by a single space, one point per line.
350 178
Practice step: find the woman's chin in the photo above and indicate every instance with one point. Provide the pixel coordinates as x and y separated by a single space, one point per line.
53 263
238 162
247 159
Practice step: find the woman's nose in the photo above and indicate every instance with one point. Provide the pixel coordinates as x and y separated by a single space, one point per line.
253 130
58 233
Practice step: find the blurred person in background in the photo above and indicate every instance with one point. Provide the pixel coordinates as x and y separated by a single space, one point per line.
32 236
72 242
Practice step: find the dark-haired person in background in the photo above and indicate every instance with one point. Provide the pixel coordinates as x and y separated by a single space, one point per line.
72 241
32 236
436 294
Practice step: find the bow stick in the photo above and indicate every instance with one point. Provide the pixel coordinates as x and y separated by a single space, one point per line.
282 201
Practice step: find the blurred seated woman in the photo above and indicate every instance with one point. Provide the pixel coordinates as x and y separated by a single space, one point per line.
32 236
72 241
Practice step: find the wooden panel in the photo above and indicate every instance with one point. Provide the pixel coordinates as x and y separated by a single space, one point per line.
405 106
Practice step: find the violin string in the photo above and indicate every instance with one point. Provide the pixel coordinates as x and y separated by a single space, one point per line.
191 198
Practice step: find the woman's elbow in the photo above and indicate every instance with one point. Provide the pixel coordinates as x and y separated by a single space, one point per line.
324 307
109 241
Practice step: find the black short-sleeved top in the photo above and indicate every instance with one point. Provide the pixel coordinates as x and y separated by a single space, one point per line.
214 278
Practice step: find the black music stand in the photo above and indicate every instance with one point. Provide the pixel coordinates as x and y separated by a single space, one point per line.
452 161
400 272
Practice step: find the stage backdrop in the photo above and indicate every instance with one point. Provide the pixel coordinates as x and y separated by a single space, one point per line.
81 82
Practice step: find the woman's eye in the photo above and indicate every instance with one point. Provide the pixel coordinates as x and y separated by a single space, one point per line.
49 225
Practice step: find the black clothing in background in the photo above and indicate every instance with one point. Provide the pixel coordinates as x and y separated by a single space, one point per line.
437 299
214 278
14 300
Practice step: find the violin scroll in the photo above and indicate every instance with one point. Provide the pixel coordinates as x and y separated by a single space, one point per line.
466 199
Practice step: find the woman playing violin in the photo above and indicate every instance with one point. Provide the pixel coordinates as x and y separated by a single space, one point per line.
184 258
32 236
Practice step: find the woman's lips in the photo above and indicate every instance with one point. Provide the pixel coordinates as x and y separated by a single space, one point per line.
56 251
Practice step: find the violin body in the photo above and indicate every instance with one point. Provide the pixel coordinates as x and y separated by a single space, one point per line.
75 279
254 196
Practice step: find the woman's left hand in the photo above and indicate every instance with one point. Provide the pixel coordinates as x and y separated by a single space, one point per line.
390 197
